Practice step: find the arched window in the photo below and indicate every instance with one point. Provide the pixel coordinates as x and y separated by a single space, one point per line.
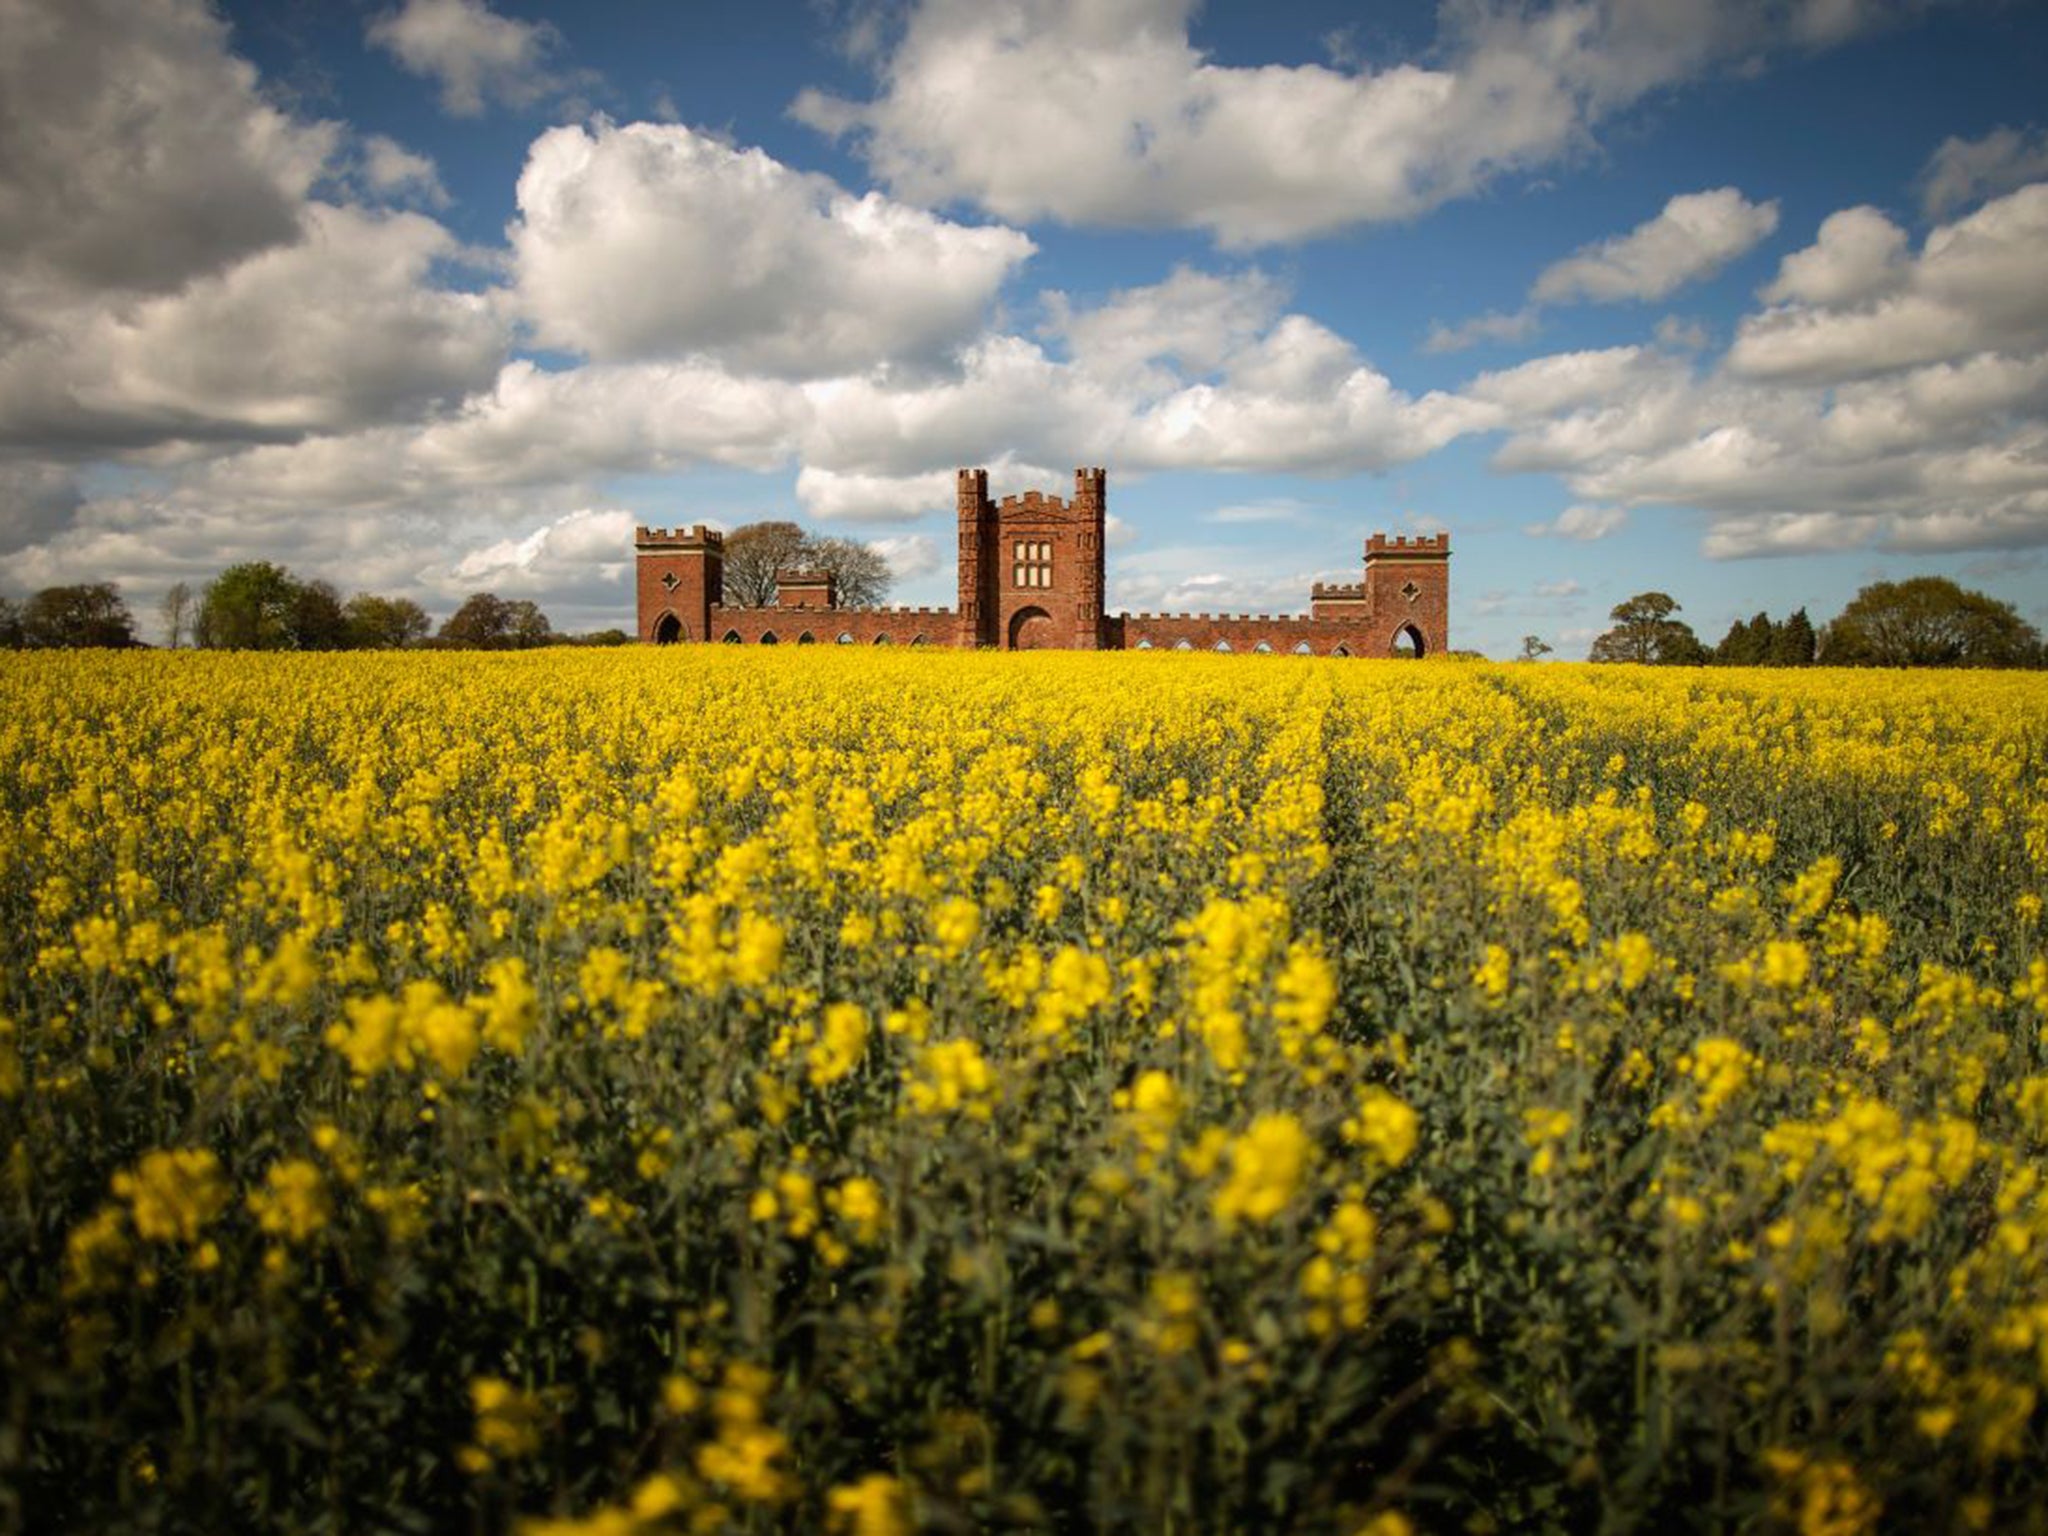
881 639
846 639
1183 645
1144 645
768 637
1304 649
1341 650
805 639
1263 648
917 640
731 637
1221 645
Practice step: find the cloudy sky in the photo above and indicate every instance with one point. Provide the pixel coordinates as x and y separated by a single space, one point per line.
1747 302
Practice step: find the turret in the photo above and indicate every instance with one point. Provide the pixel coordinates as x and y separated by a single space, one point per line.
680 578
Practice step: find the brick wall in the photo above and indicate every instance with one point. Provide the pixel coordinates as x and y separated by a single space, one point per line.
824 626
1241 633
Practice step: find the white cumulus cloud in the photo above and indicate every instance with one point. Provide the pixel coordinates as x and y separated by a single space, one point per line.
655 240
1695 235
1104 112
472 52
1852 306
1965 171
1584 524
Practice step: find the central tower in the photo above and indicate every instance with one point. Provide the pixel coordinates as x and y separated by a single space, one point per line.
1031 566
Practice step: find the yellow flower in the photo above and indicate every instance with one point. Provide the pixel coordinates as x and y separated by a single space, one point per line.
874 1505
843 1040
1268 1165
952 1077
293 1203
1383 1125
173 1195
508 1421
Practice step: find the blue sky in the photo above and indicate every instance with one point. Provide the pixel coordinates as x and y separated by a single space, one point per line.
1746 303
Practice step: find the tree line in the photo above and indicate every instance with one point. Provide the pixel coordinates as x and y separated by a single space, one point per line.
261 606
1926 621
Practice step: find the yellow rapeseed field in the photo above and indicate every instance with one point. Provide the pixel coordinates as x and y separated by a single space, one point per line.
712 1090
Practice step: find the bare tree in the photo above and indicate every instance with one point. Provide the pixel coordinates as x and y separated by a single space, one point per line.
176 610
754 553
860 574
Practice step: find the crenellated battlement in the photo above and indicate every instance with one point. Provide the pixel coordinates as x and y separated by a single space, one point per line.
1301 621
1402 544
1034 503
1031 576
697 536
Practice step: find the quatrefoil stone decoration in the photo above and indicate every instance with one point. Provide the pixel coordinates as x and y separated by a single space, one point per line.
1410 591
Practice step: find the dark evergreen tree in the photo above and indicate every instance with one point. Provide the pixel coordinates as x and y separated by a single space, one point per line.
1794 643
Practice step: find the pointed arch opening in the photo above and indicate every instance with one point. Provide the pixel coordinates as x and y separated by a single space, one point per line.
845 639
668 629
1341 650
1304 649
1031 629
730 637
1408 643
806 638
768 637
881 639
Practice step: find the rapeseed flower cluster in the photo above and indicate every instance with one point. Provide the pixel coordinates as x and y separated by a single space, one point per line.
719 1090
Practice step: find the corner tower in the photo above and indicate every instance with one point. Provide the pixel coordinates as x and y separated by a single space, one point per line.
679 576
1408 593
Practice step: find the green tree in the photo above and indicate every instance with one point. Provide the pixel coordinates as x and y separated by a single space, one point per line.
1929 621
487 622
526 626
1644 631
317 620
10 625
385 623
90 614
1794 643
1534 647
482 623
249 607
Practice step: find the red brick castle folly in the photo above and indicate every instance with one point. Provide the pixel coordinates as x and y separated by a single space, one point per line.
1030 579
